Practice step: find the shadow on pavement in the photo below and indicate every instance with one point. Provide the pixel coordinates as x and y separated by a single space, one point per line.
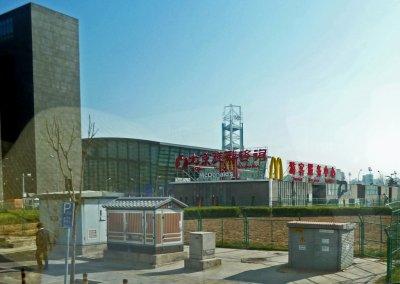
273 274
90 266
168 272
17 256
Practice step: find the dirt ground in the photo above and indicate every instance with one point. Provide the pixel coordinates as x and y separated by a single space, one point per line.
273 231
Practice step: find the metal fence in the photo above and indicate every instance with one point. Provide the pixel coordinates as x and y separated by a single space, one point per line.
393 245
357 202
271 233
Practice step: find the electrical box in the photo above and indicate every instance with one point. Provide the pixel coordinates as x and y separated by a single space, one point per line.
321 245
202 245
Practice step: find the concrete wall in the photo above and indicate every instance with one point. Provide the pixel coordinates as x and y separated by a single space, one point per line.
55 56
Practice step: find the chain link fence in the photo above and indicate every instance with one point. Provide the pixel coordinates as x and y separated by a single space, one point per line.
271 233
392 233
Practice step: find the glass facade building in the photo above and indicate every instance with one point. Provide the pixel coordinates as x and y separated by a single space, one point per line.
134 166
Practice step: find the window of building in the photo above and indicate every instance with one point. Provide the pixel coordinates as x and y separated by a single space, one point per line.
6 28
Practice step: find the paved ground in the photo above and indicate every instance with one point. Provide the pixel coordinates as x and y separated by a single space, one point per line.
270 267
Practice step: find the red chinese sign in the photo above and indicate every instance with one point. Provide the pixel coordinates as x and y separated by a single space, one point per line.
227 161
314 173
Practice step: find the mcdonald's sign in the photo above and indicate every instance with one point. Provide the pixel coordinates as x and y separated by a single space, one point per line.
249 163
276 169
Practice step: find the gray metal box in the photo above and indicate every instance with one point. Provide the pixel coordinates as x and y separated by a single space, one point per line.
202 245
321 245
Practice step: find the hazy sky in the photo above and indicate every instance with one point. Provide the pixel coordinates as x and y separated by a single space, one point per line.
318 81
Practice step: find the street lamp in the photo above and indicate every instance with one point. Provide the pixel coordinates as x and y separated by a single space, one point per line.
107 180
358 177
133 181
23 187
157 186
381 176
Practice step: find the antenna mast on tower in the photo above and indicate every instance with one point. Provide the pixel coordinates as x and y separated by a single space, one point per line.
232 128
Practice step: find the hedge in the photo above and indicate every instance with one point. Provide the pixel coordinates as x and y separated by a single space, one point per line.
19 217
292 211
212 212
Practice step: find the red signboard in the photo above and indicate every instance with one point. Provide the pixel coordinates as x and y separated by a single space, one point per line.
223 161
314 173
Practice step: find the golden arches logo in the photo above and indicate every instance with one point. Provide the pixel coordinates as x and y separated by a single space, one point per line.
276 169
229 166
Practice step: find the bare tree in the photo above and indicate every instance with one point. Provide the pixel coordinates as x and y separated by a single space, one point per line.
62 139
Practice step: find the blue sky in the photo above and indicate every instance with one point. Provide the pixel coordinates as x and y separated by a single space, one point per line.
318 81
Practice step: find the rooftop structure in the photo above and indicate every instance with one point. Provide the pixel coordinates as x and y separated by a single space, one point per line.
232 128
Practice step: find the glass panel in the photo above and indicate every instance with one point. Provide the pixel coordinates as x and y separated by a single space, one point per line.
112 149
122 150
133 150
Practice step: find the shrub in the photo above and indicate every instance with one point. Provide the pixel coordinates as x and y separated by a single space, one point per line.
289 211
212 212
19 217
257 211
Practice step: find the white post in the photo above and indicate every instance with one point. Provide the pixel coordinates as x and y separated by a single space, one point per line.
67 257
23 185
270 192
23 190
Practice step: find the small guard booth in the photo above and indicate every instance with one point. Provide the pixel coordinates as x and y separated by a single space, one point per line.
150 225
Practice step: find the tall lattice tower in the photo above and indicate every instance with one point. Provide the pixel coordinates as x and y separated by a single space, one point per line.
232 128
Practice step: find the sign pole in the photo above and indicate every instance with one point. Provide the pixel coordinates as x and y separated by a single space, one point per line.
67 257
67 221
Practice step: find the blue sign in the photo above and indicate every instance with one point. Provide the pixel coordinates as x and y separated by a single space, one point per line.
67 214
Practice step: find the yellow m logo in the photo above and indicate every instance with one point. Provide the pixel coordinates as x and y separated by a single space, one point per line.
276 169
229 165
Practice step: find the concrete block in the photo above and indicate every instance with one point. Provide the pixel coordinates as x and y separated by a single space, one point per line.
203 264
89 251
202 245
143 260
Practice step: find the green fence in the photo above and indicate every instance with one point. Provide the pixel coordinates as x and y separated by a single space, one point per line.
393 245
271 233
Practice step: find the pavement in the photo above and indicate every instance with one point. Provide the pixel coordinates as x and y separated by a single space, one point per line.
238 266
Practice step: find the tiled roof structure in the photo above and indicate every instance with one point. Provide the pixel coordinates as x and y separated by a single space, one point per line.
142 203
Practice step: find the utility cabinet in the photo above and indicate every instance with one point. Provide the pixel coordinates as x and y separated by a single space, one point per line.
321 245
202 245
91 221
152 225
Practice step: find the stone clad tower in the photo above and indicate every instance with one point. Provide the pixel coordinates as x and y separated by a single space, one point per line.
39 83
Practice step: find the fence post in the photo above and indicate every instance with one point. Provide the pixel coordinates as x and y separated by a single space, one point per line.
271 230
199 222
389 257
222 232
246 231
381 241
362 235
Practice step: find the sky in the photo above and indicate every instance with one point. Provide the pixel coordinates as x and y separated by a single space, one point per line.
318 81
